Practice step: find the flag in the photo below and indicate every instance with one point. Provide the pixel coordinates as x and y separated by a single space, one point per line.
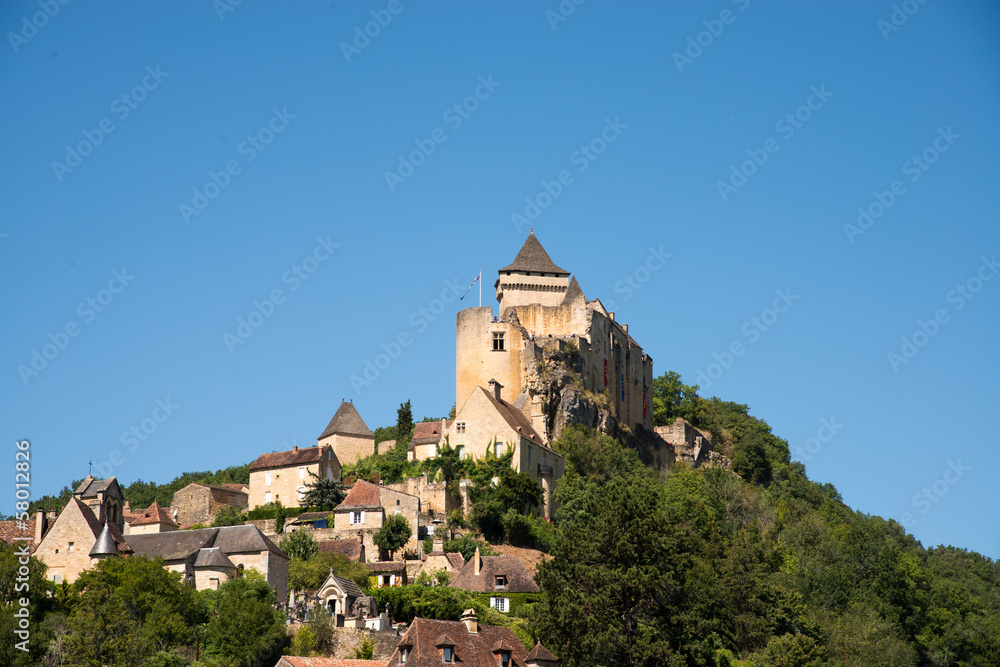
470 286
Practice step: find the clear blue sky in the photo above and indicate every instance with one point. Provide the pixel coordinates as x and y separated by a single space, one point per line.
832 104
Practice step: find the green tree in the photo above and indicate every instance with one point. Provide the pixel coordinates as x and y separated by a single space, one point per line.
36 590
279 518
309 575
245 629
394 533
299 545
229 516
323 492
127 610
672 399
366 651
404 423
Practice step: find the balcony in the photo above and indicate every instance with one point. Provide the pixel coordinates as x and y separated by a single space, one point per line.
545 470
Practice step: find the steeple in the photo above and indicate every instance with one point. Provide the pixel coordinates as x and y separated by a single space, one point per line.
105 546
532 278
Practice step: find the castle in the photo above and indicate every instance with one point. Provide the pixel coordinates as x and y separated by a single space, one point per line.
542 310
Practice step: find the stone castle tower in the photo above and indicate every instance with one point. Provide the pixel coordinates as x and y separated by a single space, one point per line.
543 311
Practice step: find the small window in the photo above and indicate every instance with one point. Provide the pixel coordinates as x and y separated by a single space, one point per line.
459 427
213 583
267 479
504 658
402 654
57 550
500 604
302 473
449 654
461 451
267 497
498 449
397 502
498 341
501 581
70 547
357 517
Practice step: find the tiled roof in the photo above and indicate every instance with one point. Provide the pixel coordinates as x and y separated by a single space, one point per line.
153 514
539 652
456 559
347 421
212 557
362 494
532 257
574 293
515 419
471 650
387 566
294 456
518 579
9 530
299 661
350 547
428 433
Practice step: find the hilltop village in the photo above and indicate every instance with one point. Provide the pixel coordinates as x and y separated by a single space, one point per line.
545 358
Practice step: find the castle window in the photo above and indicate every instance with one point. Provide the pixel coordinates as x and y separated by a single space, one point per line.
498 341
267 497
70 548
267 479
459 427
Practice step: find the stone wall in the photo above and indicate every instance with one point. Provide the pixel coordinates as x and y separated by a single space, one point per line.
349 448
199 503
348 640
65 549
434 500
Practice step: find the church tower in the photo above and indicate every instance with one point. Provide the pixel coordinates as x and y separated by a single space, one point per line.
532 278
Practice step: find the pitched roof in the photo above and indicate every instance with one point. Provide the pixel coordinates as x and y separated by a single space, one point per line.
518 579
90 487
514 418
105 544
347 421
532 257
95 525
471 650
9 530
428 433
574 293
300 661
294 456
362 494
387 566
346 585
239 488
212 557
182 544
153 514
350 547
539 652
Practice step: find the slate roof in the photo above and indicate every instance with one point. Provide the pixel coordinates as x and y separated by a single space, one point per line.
573 293
515 419
532 257
181 544
518 579
239 488
350 547
105 544
471 650
539 652
90 487
212 557
347 421
153 514
294 456
346 585
96 528
362 495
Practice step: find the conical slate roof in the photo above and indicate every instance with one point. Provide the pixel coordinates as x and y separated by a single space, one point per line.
212 557
573 293
347 421
532 257
105 544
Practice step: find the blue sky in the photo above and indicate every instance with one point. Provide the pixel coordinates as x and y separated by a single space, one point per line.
216 158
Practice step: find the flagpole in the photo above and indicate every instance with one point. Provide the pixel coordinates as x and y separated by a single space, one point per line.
480 289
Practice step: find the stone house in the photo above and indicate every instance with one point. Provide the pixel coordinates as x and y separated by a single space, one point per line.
435 501
199 503
283 476
437 559
426 438
208 557
66 545
364 510
105 498
429 643
153 519
496 575
389 573
348 435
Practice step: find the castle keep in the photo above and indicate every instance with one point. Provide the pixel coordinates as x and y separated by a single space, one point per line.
542 309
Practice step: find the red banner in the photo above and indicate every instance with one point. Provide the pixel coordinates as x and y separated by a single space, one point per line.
605 372
643 405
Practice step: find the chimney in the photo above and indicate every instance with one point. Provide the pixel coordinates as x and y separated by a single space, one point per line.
39 526
361 538
126 508
496 389
478 562
52 514
295 448
438 543
612 316
471 622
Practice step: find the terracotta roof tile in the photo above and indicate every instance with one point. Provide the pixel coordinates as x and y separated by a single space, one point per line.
153 514
471 650
427 433
515 419
518 579
539 652
347 421
350 547
294 456
362 494
532 257
9 530
300 661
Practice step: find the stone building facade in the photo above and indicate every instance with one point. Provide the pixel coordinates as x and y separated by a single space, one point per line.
540 305
348 435
199 503
283 476
364 510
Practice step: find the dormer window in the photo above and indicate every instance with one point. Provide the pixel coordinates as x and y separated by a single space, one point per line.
448 654
501 581
504 658
404 652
